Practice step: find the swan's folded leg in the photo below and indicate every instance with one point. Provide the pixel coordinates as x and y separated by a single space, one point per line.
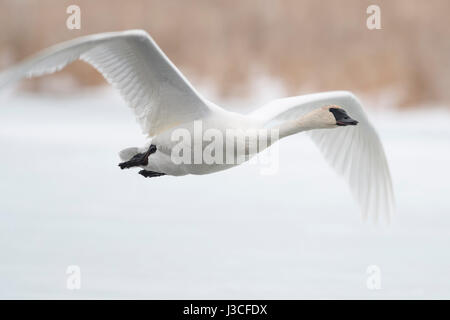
140 159
150 174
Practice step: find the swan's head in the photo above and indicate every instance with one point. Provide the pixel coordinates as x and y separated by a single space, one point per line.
326 117
329 116
341 118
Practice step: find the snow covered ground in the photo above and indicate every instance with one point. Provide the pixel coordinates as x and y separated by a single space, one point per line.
233 234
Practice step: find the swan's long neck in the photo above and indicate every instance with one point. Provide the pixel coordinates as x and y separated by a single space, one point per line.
291 127
319 118
316 119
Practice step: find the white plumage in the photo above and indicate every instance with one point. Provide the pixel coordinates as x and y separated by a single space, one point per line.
131 61
355 152
163 100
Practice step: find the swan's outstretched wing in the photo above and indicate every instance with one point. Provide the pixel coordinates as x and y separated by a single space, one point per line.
159 94
354 151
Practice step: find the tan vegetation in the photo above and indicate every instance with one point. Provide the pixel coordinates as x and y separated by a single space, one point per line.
308 44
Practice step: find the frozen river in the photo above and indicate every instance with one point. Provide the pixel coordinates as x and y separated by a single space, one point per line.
234 234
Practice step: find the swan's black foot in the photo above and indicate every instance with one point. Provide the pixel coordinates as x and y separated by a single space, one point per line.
150 174
140 159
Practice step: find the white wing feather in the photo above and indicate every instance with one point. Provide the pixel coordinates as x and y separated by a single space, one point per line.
355 152
155 89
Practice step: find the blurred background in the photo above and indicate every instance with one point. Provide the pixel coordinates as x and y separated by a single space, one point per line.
304 44
234 234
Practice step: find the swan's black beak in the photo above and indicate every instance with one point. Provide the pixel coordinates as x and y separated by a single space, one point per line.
342 118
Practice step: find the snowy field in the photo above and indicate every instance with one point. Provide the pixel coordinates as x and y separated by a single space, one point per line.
234 234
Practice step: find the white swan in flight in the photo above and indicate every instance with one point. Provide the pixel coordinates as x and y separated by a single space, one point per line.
163 101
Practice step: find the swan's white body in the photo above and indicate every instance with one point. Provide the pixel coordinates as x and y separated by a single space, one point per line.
163 101
218 119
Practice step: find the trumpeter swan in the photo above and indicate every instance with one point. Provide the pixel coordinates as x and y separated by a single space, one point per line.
164 101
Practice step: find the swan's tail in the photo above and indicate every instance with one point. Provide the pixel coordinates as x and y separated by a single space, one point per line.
128 153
